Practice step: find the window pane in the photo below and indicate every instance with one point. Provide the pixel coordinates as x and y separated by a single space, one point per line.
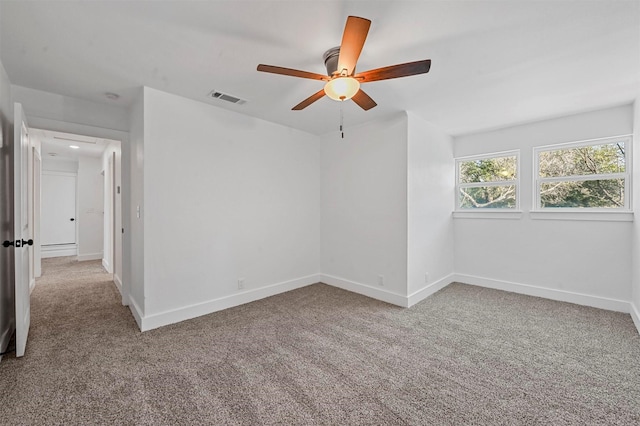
486 197
488 170
580 194
584 160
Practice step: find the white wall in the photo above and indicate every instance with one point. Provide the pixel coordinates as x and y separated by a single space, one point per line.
364 209
430 186
90 208
6 209
226 196
55 165
635 254
586 262
133 167
42 107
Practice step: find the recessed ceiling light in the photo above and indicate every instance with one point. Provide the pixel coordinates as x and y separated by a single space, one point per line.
112 96
74 147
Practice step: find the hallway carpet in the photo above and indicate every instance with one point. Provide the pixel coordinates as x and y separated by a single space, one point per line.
320 355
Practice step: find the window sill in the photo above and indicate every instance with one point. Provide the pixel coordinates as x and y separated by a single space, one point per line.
604 216
487 214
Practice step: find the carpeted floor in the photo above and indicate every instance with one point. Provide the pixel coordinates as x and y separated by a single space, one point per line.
320 355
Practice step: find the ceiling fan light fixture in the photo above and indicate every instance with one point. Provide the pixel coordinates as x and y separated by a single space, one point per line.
342 88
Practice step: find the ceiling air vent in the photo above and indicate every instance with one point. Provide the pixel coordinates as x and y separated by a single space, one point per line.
226 97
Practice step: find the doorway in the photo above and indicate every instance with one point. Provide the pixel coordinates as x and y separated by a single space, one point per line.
80 199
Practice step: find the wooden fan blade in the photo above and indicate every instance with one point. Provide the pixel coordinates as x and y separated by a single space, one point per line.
311 99
291 72
395 71
353 38
363 100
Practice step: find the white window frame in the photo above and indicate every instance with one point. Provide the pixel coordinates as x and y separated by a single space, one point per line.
626 175
461 212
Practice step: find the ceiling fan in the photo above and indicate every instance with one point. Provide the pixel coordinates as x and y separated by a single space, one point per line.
342 82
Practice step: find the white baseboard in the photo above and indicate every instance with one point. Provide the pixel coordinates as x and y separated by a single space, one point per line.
136 311
377 293
635 316
90 256
32 285
118 282
105 265
58 250
428 290
187 312
547 293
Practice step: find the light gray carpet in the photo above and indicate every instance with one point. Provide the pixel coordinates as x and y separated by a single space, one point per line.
320 355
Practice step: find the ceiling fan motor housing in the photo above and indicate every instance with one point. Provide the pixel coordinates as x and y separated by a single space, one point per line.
330 58
343 82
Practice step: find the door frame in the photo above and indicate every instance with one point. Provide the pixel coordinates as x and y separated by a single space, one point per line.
124 165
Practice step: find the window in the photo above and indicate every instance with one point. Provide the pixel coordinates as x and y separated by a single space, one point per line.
583 176
487 182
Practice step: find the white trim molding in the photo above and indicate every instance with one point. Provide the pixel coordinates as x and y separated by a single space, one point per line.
210 306
136 311
547 293
59 250
118 282
105 264
564 214
428 290
58 173
366 290
635 316
90 256
487 214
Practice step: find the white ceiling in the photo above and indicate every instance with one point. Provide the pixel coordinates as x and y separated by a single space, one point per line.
494 63
57 145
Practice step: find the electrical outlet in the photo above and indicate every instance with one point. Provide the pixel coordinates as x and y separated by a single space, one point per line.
381 280
426 277
240 283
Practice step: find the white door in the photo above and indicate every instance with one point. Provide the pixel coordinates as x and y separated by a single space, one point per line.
22 231
58 198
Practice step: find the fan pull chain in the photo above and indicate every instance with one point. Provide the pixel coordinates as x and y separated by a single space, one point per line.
341 120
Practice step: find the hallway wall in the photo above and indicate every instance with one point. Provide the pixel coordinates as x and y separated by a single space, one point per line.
90 208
